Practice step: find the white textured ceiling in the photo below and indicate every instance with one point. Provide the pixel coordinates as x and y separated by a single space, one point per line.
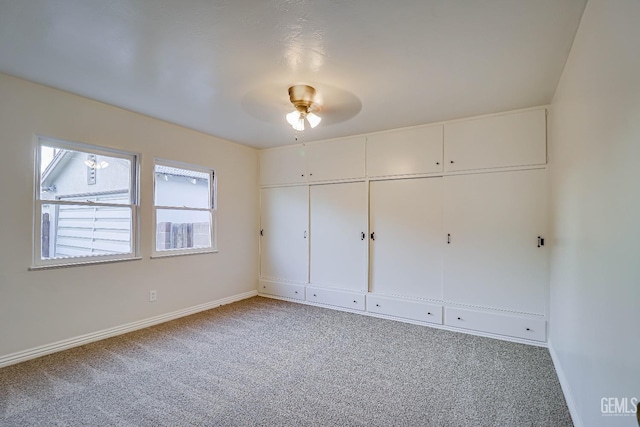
224 66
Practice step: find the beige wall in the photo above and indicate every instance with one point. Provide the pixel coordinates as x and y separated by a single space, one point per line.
41 307
595 187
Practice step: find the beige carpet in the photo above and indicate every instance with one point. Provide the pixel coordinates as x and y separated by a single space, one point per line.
263 362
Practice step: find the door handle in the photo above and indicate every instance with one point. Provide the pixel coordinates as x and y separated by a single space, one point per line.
373 236
262 231
448 239
540 241
305 234
362 236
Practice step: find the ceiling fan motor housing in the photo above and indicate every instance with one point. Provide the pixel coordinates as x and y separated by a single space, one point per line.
302 97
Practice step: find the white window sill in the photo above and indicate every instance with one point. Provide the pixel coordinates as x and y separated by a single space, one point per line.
81 263
170 254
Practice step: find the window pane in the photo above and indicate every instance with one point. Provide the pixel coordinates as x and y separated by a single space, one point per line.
78 175
182 229
70 231
182 187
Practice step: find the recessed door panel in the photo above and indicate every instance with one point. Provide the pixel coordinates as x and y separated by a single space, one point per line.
339 235
407 244
493 259
284 240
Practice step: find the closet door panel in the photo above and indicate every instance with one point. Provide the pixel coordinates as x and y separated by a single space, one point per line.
338 249
284 247
493 259
406 254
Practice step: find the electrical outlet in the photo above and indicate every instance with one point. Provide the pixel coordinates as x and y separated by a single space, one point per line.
153 295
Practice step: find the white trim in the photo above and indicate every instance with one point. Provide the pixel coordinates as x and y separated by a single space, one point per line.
182 208
83 146
81 263
413 322
181 165
172 252
564 384
32 353
441 174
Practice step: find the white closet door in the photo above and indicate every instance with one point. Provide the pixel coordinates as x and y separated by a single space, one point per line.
493 259
406 255
338 248
284 247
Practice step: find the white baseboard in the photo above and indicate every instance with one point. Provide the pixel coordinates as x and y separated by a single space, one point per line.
566 390
413 322
21 356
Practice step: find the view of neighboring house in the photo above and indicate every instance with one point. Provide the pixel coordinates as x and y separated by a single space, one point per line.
101 220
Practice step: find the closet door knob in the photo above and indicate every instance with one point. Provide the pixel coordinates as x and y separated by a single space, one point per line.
451 161
459 318
373 236
437 163
377 305
355 301
528 329
362 236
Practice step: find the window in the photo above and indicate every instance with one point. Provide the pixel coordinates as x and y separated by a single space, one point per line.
184 207
86 204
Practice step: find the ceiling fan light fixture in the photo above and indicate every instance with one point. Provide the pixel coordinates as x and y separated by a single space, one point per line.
313 120
293 117
299 124
302 98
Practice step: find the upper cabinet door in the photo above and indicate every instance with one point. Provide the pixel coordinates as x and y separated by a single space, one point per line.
405 152
516 139
335 160
283 166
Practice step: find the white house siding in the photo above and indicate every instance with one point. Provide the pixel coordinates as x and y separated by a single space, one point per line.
93 230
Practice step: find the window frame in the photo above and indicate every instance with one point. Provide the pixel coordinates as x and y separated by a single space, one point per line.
212 209
134 205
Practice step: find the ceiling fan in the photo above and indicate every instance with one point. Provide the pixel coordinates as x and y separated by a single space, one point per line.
270 104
